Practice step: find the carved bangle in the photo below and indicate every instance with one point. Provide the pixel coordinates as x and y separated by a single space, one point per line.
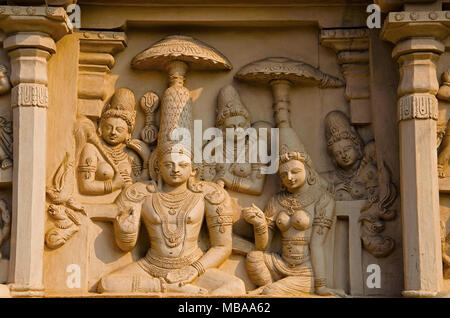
320 282
261 229
199 267
108 186
127 237
236 184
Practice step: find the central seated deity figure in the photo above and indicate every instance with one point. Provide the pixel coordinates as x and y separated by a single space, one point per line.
173 216
173 207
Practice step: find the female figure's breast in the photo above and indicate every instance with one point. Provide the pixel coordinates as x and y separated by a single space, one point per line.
104 171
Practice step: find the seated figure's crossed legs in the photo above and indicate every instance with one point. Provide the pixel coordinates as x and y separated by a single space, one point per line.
134 279
271 282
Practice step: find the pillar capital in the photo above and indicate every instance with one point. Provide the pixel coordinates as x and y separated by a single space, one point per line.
96 59
352 49
416 24
49 20
391 5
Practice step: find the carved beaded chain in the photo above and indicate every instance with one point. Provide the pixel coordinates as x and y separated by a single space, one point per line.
294 202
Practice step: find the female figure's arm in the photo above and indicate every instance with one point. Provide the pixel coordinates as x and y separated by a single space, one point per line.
323 220
263 224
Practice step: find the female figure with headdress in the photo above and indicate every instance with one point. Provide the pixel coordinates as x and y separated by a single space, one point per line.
108 160
245 176
302 213
356 177
354 164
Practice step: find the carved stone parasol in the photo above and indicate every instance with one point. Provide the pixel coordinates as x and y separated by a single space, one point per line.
175 54
281 73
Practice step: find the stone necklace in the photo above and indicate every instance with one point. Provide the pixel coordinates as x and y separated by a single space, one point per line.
294 202
116 155
178 205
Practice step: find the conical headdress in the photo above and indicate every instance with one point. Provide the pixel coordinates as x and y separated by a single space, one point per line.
338 127
229 104
122 105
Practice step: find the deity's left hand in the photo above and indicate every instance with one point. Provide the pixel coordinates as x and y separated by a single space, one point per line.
183 275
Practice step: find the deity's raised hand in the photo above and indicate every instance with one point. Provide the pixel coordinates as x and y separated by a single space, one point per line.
127 221
253 215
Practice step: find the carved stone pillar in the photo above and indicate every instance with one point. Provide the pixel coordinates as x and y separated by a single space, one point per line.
97 50
352 49
31 35
417 36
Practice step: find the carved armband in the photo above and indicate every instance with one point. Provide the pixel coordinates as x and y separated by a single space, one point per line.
221 219
87 169
323 222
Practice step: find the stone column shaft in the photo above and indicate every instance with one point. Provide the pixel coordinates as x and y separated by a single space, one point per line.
417 37
31 34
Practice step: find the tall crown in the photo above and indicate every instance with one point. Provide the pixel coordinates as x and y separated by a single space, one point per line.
122 105
229 104
338 127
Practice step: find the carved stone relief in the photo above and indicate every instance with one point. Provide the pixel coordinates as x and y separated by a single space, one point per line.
123 196
173 206
5 216
6 133
243 177
304 211
443 138
357 177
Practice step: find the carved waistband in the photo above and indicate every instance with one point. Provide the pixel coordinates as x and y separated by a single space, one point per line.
174 262
296 241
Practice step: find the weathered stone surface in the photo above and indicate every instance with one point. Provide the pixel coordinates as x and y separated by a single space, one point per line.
118 176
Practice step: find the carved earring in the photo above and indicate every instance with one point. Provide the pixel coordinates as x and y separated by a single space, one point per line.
311 178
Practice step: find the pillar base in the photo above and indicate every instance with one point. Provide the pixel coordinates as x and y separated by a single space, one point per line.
419 293
26 291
